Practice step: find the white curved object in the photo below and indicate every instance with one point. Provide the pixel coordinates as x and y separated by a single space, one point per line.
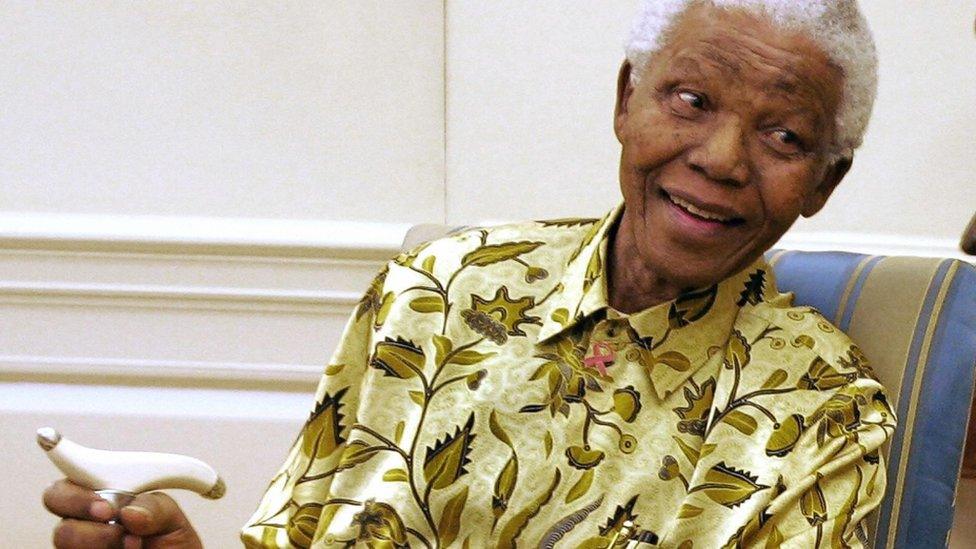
116 475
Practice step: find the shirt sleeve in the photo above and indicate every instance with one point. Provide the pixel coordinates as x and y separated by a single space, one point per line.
297 499
834 477
790 459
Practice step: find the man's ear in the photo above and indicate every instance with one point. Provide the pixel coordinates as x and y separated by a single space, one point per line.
625 89
832 177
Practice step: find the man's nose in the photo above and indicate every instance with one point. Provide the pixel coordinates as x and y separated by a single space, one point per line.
722 154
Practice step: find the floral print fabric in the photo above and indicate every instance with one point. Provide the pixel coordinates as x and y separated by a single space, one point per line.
485 394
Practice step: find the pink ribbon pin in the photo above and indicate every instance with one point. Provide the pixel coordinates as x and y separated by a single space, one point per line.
603 354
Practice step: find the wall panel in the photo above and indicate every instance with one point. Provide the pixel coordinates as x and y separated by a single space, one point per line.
302 109
530 107
208 343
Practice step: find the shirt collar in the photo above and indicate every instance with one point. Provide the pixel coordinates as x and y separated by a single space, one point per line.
681 335
582 290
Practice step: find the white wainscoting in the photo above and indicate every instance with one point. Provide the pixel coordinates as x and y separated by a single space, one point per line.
872 244
200 336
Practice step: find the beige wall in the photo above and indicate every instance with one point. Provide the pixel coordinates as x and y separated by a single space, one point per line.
299 109
193 194
529 107
914 176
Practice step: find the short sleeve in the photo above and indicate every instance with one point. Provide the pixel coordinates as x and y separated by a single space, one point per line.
792 454
834 476
295 503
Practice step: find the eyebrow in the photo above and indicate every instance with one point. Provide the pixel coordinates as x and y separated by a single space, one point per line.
686 66
787 84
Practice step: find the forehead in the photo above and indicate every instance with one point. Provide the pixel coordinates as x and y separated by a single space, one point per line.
746 49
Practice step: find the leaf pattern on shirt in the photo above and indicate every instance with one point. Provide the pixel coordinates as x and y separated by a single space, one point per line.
627 403
839 417
499 317
302 524
374 299
323 430
822 376
450 521
496 253
753 291
512 530
695 413
738 353
445 462
729 486
380 526
398 358
508 477
691 306
813 505
785 436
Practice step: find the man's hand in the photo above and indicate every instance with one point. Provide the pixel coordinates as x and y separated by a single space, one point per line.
150 521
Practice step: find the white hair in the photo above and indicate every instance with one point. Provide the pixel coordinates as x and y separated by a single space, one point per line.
837 26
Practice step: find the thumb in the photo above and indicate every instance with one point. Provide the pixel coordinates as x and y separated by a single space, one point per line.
157 515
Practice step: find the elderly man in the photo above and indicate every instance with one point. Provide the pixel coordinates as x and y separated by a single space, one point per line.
612 382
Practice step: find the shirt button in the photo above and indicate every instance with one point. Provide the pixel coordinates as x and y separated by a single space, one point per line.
632 355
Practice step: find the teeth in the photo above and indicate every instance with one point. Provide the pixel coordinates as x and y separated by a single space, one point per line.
698 211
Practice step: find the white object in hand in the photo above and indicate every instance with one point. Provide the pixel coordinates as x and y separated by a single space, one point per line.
118 476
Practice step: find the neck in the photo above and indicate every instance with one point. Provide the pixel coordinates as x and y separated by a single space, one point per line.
633 285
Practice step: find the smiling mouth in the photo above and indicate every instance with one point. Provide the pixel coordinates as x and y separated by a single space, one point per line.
700 213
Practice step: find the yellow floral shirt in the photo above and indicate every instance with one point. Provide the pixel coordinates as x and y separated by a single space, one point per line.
485 394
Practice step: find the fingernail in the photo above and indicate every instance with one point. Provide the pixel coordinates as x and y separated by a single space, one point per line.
132 542
101 510
138 509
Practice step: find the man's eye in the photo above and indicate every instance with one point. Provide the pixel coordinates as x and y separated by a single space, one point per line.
785 141
688 104
692 99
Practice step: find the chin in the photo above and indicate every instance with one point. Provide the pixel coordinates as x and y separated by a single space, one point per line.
688 270
696 268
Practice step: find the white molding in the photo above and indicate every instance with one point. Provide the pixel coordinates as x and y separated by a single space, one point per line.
98 370
256 239
201 235
864 243
178 297
873 244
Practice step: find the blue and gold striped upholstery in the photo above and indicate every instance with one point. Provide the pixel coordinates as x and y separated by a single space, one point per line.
915 319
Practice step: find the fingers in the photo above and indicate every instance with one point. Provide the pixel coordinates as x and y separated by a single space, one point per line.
84 518
156 515
151 520
78 534
69 500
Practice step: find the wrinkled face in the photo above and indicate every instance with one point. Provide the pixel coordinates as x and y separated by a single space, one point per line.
725 143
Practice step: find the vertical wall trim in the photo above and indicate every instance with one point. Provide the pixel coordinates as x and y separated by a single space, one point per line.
444 195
